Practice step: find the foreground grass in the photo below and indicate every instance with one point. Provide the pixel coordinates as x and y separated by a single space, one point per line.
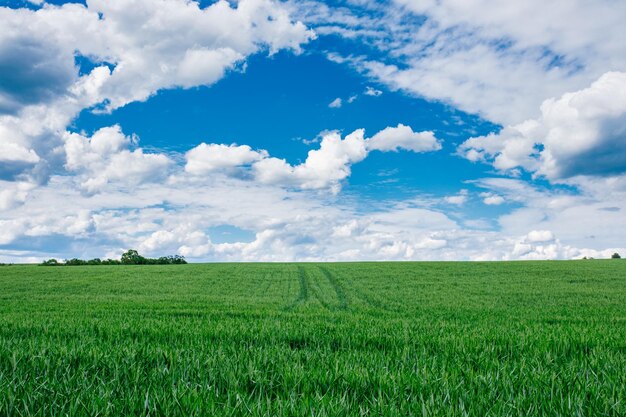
389 339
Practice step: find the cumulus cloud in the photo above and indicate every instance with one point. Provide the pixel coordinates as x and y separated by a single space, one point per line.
459 199
580 133
204 159
138 48
403 137
13 193
579 218
323 168
331 163
536 236
13 153
491 199
542 244
182 44
105 158
32 70
176 216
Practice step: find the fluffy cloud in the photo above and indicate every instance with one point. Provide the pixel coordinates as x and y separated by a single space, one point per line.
104 158
591 217
12 152
403 137
138 47
497 59
459 199
182 44
176 216
580 133
32 70
204 159
13 193
542 244
491 199
324 168
561 26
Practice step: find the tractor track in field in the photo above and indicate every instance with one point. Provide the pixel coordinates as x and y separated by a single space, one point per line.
368 299
337 287
372 302
303 295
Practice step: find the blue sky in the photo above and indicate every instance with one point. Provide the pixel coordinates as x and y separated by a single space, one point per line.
302 130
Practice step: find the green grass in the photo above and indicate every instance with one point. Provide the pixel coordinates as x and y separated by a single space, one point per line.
363 339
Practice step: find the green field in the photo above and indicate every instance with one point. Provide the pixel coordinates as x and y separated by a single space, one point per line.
361 339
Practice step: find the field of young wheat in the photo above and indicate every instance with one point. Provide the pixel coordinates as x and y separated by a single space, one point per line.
354 339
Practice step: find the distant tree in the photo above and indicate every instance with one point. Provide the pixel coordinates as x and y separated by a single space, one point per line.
132 257
615 256
178 260
171 260
75 262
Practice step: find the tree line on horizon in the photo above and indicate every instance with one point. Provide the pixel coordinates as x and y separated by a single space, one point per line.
130 257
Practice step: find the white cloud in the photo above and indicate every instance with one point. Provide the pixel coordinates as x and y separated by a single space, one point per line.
339 102
181 44
496 59
370 91
104 158
542 244
204 159
13 193
348 229
336 103
492 199
327 166
12 152
590 218
205 66
403 137
176 216
536 236
459 199
150 47
323 168
580 133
